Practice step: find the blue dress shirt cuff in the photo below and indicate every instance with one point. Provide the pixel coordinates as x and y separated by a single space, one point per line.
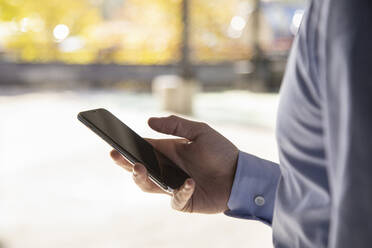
254 188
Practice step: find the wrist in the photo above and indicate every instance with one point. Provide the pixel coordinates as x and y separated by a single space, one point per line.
254 177
230 179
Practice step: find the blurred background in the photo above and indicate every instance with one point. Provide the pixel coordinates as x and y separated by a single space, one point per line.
217 61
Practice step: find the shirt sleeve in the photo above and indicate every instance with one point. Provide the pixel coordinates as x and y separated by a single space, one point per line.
254 188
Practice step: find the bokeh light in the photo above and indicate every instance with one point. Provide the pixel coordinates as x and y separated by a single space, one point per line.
60 32
238 23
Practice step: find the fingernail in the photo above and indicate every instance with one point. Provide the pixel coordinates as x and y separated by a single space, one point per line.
188 184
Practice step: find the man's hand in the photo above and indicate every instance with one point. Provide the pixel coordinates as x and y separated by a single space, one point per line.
208 157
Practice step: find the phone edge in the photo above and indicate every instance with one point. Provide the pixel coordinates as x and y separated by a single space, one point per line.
127 155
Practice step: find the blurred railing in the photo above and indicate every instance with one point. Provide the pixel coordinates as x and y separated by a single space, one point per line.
106 74
213 75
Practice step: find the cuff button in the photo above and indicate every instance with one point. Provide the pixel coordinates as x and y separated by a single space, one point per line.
259 200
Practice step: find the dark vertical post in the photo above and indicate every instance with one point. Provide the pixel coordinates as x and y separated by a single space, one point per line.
256 29
261 63
186 69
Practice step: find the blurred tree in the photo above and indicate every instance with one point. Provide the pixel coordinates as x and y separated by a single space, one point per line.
210 24
130 31
152 31
34 21
142 31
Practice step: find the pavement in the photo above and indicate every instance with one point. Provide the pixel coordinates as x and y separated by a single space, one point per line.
59 188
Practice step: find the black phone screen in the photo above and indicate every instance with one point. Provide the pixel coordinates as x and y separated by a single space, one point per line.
134 147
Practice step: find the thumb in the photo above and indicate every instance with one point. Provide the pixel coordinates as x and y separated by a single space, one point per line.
178 126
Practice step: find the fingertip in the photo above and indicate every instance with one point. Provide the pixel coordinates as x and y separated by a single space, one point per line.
138 169
189 184
181 198
152 122
151 119
114 154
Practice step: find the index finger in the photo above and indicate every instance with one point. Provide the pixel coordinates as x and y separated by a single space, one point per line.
177 126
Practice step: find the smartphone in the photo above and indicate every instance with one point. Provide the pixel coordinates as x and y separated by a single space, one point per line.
161 170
